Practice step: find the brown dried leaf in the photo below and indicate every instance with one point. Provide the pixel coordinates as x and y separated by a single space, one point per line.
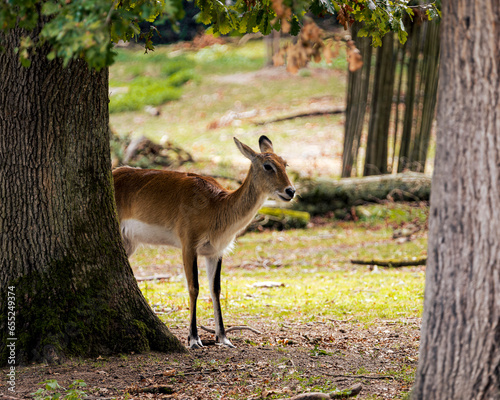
331 50
344 16
354 57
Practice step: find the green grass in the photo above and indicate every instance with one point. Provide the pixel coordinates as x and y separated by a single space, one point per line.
138 80
313 264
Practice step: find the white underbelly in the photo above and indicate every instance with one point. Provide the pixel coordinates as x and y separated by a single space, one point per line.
140 232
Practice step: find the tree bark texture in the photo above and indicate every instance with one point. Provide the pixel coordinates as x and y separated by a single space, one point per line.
460 345
60 247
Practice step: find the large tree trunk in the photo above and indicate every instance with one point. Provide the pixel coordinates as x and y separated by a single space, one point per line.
60 249
460 347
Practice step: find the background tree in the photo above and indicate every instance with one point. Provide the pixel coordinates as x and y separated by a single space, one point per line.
357 98
402 89
460 340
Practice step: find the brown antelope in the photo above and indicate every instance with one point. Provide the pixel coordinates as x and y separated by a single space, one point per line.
196 214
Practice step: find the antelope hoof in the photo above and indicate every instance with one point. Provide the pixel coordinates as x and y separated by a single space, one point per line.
195 343
224 341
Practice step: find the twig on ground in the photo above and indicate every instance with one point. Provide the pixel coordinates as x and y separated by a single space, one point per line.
391 264
302 114
152 278
233 328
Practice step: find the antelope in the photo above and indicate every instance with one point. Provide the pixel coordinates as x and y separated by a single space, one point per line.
195 213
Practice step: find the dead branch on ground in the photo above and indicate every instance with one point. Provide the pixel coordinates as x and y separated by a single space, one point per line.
391 263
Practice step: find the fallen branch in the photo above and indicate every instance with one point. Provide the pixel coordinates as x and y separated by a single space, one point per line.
338 394
322 195
392 263
152 277
233 328
302 114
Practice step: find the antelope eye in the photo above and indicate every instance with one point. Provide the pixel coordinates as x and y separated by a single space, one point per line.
268 167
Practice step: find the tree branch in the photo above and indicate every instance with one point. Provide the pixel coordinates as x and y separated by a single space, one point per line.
391 263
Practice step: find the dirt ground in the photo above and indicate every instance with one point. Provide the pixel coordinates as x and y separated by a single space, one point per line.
320 356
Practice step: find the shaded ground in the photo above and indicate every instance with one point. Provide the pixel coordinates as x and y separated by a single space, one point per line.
284 360
290 356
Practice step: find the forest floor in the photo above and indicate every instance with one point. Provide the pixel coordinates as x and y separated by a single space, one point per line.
317 357
324 323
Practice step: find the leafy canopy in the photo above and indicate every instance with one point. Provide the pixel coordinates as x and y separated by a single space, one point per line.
87 28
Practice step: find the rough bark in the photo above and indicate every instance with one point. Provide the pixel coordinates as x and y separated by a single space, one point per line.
60 249
460 346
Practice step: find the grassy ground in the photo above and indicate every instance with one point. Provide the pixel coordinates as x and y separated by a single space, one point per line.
313 266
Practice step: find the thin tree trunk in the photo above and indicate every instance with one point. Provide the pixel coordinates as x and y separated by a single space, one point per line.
431 74
408 123
60 249
460 346
381 105
357 98
402 51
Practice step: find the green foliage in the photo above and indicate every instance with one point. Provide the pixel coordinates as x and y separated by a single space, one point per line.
144 91
83 28
379 16
53 391
88 28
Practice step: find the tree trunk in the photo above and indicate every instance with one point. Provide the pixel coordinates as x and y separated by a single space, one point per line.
429 81
357 99
408 136
460 347
320 196
61 255
381 105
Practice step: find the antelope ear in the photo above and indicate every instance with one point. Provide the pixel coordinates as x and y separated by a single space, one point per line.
265 144
245 150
